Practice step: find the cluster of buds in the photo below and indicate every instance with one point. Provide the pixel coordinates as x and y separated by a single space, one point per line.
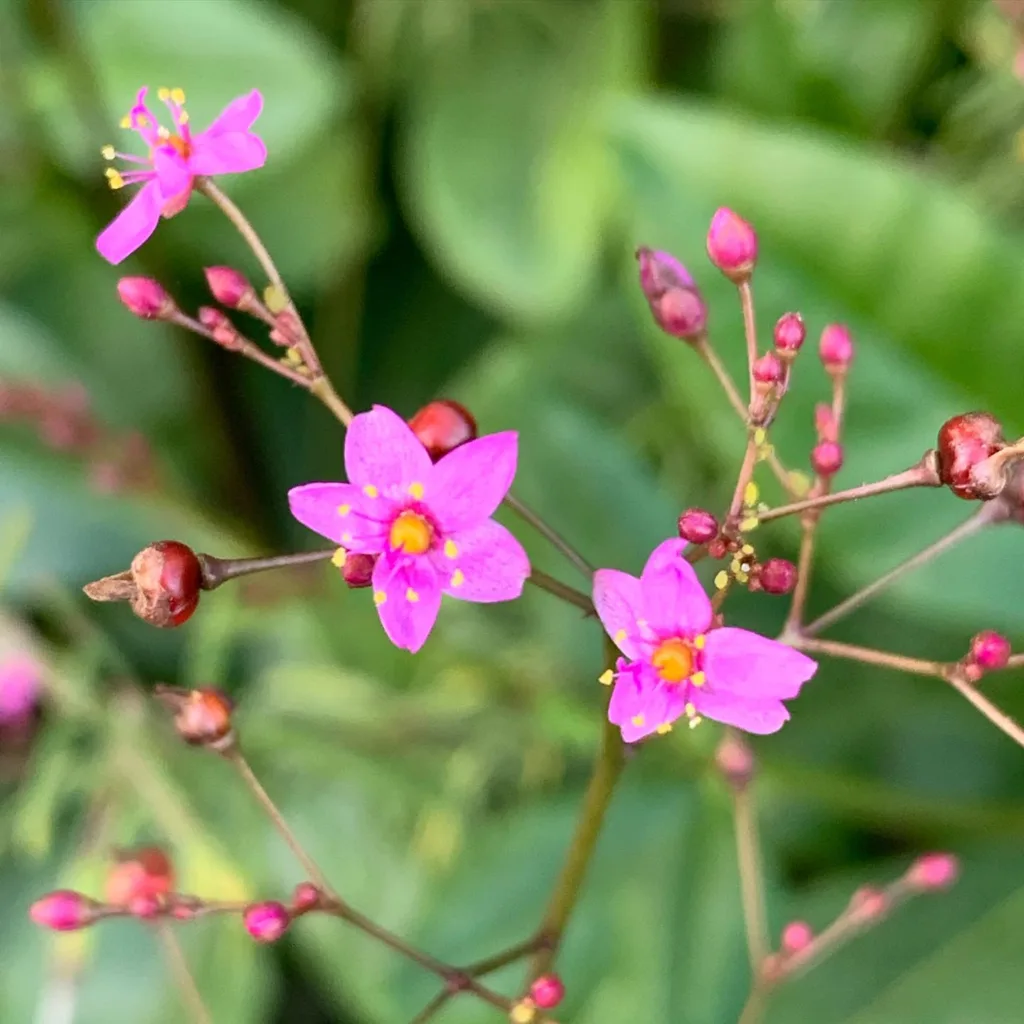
827 454
676 303
63 420
989 652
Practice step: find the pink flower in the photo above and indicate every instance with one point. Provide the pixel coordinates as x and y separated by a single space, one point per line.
430 523
21 683
174 161
678 665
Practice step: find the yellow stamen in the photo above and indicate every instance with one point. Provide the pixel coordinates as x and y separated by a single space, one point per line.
370 491
410 533
416 490
379 597
760 435
673 659
606 677
750 493
108 152
114 179
748 524
451 549
664 728
699 641
162 133
411 596
183 117
747 549
178 96
638 721
690 710
698 679
722 580
620 635
126 121
343 510
524 1012
457 578
338 558
163 94
695 721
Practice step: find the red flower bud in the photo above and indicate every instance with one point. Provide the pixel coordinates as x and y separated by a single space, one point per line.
827 458
266 922
732 245
777 576
989 651
698 526
547 991
229 287
306 897
146 298
442 426
836 348
357 570
789 333
147 872
676 303
768 369
932 872
63 911
965 441
796 936
168 578
221 329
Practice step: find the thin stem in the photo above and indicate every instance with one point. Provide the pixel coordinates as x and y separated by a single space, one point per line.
998 718
804 563
571 595
990 512
868 656
754 1007
219 570
743 478
749 329
324 390
755 916
596 800
182 975
489 964
430 1010
548 532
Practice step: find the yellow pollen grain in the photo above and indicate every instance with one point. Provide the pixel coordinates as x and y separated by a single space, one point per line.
760 435
108 152
183 118
162 133
751 494
523 1012
698 679
690 710
638 721
664 729
416 490
379 597
748 524
126 121
411 596
178 96
765 452
338 558
620 635
343 510
747 549
722 580
163 94
695 721
114 179
457 578
699 641
606 677
451 549
370 491
346 537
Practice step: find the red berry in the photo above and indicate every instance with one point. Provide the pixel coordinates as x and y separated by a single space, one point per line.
827 458
266 922
442 426
547 991
796 936
698 526
790 333
964 442
777 576
168 579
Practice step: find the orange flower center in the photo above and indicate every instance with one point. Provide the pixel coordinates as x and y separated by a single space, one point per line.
673 659
411 533
183 148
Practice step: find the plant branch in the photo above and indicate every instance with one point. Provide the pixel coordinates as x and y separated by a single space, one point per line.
430 1010
1000 719
175 957
549 533
748 854
867 656
219 570
571 595
749 329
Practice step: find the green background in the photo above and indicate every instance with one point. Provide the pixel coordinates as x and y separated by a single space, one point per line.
454 191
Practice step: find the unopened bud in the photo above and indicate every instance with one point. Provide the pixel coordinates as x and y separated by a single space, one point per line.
202 717
789 334
776 576
825 422
767 369
357 570
964 443
146 298
732 245
676 303
64 911
698 526
266 922
827 458
796 936
868 903
147 872
442 426
547 991
306 897
145 906
230 287
990 651
836 348
221 329
933 871
735 760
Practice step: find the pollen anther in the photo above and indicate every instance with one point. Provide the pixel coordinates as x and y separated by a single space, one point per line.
379 597
451 549
370 491
606 677
638 721
411 596
457 578
338 558
343 510
416 490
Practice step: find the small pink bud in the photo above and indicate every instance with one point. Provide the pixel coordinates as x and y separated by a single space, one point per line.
358 570
790 333
732 245
825 422
146 298
267 922
145 906
306 897
989 650
768 369
547 991
796 936
676 303
868 902
735 760
219 324
698 526
836 348
777 576
63 911
827 458
229 287
933 871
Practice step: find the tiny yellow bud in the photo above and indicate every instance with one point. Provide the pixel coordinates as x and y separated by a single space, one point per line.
749 524
606 677
747 549
698 679
760 435
722 580
275 299
338 558
664 728
751 493
523 1012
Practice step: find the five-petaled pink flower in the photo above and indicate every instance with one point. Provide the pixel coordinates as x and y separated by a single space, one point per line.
21 683
678 665
175 159
429 523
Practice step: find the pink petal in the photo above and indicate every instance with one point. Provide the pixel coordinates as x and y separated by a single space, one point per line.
363 527
173 176
238 115
142 119
381 450
737 661
674 602
407 593
230 153
471 481
756 716
491 565
132 226
641 703
619 603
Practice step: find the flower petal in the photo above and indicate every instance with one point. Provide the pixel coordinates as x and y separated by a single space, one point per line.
407 593
174 177
489 564
238 115
737 661
230 153
674 602
470 482
756 716
381 451
641 703
344 514
619 604
132 226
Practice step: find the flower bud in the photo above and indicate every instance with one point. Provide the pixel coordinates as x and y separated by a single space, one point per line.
732 245
796 936
145 906
147 872
698 526
989 651
442 426
230 287
776 576
266 922
966 441
547 991
357 570
168 579
146 298
21 688
221 329
63 911
868 903
306 897
201 717
836 348
789 334
735 760
768 369
827 458
676 303
932 872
